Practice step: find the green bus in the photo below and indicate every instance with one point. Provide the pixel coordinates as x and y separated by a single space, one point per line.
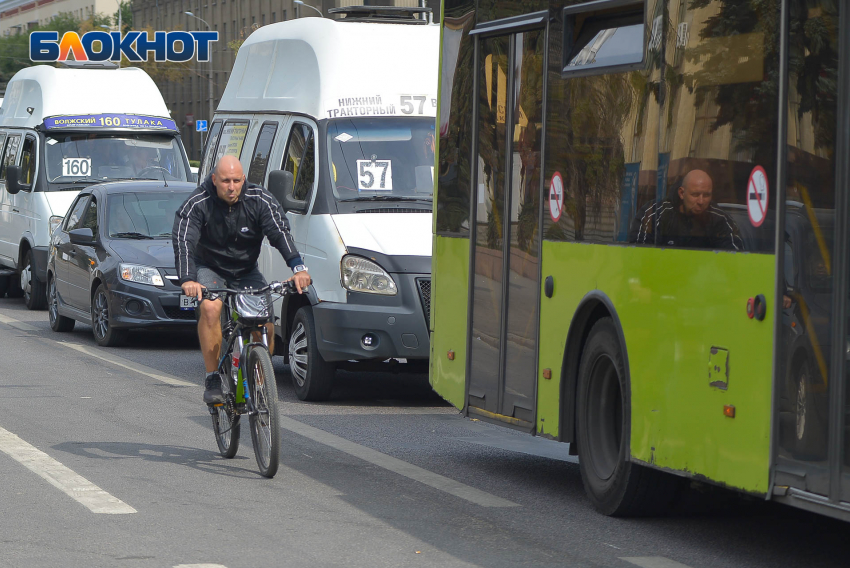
641 240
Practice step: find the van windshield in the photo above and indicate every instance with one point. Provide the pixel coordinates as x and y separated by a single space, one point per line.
382 158
92 158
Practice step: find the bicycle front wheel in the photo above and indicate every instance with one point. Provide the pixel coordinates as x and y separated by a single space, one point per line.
265 427
226 427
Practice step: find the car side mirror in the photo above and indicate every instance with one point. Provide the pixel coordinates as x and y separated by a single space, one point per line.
83 236
280 185
13 176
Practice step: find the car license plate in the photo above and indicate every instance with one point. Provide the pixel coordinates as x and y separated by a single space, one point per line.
188 302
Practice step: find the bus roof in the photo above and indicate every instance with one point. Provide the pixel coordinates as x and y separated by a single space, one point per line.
52 91
325 68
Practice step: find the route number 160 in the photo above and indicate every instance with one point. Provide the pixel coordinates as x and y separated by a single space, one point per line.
76 167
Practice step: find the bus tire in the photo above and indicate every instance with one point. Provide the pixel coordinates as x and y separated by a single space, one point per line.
615 485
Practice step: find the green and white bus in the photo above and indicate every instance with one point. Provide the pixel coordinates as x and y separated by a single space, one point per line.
641 239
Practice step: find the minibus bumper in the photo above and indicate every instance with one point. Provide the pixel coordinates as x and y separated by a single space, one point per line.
372 327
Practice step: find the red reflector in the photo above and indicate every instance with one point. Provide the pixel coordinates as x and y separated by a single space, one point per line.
729 410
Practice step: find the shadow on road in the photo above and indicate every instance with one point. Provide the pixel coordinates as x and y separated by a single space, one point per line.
195 458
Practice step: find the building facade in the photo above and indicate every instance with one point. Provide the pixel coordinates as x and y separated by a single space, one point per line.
189 98
19 16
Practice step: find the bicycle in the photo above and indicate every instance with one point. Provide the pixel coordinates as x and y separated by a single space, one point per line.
247 376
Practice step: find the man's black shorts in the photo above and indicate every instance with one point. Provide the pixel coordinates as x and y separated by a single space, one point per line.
209 278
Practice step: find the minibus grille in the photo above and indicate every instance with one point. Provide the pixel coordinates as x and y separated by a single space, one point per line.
424 285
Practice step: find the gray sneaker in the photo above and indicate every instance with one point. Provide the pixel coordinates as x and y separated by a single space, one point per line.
212 392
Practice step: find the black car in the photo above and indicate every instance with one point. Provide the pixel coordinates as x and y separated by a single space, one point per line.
111 263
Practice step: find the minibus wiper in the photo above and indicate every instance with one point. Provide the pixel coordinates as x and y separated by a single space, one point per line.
388 198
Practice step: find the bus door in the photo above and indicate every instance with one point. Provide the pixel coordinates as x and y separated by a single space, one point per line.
506 241
813 363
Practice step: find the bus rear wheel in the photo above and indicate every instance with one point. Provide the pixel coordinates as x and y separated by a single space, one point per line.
615 485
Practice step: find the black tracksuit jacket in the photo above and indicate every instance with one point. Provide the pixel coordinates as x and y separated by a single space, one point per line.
227 238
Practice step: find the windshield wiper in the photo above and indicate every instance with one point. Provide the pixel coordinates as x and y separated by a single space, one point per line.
388 198
130 235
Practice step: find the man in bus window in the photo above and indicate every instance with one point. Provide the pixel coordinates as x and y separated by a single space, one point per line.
688 219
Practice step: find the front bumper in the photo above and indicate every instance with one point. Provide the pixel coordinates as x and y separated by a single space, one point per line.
139 305
398 323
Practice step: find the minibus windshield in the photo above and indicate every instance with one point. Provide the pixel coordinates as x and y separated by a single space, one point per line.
382 158
97 157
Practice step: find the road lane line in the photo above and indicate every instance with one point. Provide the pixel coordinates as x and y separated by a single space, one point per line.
71 483
396 465
17 324
127 364
653 562
375 457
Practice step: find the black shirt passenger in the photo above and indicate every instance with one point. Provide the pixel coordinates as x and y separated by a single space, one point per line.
691 221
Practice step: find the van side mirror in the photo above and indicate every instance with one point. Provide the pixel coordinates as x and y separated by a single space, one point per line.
280 185
13 176
83 236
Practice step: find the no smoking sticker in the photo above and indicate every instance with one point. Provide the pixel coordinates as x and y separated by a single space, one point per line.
757 192
556 196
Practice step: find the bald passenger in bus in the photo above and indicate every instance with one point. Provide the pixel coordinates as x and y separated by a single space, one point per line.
688 219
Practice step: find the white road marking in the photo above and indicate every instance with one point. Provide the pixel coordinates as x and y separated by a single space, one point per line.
653 562
127 364
71 483
17 324
200 566
375 457
395 465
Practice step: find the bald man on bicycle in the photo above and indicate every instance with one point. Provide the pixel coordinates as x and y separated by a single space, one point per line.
217 236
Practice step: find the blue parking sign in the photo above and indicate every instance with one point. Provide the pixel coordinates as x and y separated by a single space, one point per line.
200 126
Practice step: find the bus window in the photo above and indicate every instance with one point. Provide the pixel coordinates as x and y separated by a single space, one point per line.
601 42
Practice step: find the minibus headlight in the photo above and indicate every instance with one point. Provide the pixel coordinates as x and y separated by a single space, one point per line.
362 275
140 274
54 221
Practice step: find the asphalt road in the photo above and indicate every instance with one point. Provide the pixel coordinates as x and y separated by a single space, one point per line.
108 459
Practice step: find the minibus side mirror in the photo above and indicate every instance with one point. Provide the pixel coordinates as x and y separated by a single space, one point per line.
280 185
13 175
83 236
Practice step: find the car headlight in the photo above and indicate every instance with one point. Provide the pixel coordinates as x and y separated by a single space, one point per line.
362 275
140 274
54 221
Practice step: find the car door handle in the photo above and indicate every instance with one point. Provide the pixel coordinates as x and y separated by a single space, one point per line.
15 210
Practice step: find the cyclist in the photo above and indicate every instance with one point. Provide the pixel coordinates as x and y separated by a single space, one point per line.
217 235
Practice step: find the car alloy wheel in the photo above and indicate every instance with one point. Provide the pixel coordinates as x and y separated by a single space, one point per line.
298 354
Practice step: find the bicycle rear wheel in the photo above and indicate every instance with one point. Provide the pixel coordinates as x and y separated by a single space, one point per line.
265 427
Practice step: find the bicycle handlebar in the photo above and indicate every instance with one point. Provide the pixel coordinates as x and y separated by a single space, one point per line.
281 288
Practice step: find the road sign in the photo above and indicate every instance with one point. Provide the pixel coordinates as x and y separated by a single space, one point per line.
556 196
200 125
757 192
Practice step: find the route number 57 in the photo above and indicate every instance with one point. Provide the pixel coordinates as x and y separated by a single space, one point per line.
408 101
374 175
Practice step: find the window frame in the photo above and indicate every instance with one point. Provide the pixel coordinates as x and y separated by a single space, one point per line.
312 131
29 138
86 210
65 228
276 125
625 9
212 142
11 136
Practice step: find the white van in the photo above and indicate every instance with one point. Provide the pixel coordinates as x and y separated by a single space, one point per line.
337 119
62 129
